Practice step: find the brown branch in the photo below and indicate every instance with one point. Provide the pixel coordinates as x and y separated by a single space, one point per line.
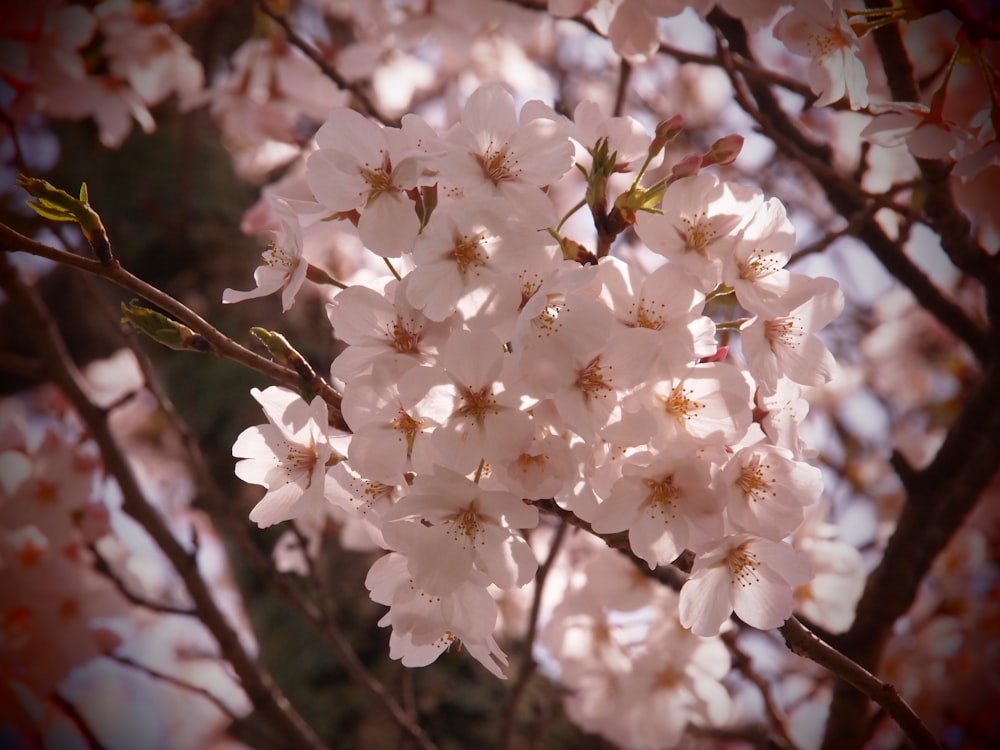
624 76
804 643
103 568
176 682
256 681
744 663
942 213
529 665
223 509
218 342
940 496
842 193
78 720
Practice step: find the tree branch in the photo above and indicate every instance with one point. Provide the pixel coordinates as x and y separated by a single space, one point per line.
257 683
800 640
529 665
844 194
218 342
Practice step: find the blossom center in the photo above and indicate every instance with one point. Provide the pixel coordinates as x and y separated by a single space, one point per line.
754 482
404 339
478 404
759 264
467 253
643 317
378 179
743 567
45 493
698 233
680 405
466 522
662 498
592 380
301 460
276 256
498 165
782 332
408 426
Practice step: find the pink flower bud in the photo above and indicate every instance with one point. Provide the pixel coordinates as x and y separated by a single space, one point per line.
724 151
687 167
666 131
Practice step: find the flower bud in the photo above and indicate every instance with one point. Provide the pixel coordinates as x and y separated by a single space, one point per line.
666 131
686 167
162 329
724 151
58 205
284 353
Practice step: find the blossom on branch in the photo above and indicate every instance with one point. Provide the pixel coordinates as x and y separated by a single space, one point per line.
288 456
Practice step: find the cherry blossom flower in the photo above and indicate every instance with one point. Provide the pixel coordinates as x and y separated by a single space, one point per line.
784 343
464 262
767 490
113 106
389 435
707 404
674 682
448 527
665 307
282 266
822 32
699 224
288 456
756 268
631 25
363 167
425 625
383 331
490 154
666 502
470 396
752 576
925 132
147 54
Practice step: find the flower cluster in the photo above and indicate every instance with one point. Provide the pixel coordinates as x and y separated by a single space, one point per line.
111 61
501 365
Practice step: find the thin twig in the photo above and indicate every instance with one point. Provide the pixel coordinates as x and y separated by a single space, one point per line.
743 662
176 682
79 721
218 342
624 75
364 102
103 568
528 663
803 642
256 681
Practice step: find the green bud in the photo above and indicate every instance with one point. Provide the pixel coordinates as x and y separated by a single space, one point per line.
284 353
162 329
639 199
58 205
